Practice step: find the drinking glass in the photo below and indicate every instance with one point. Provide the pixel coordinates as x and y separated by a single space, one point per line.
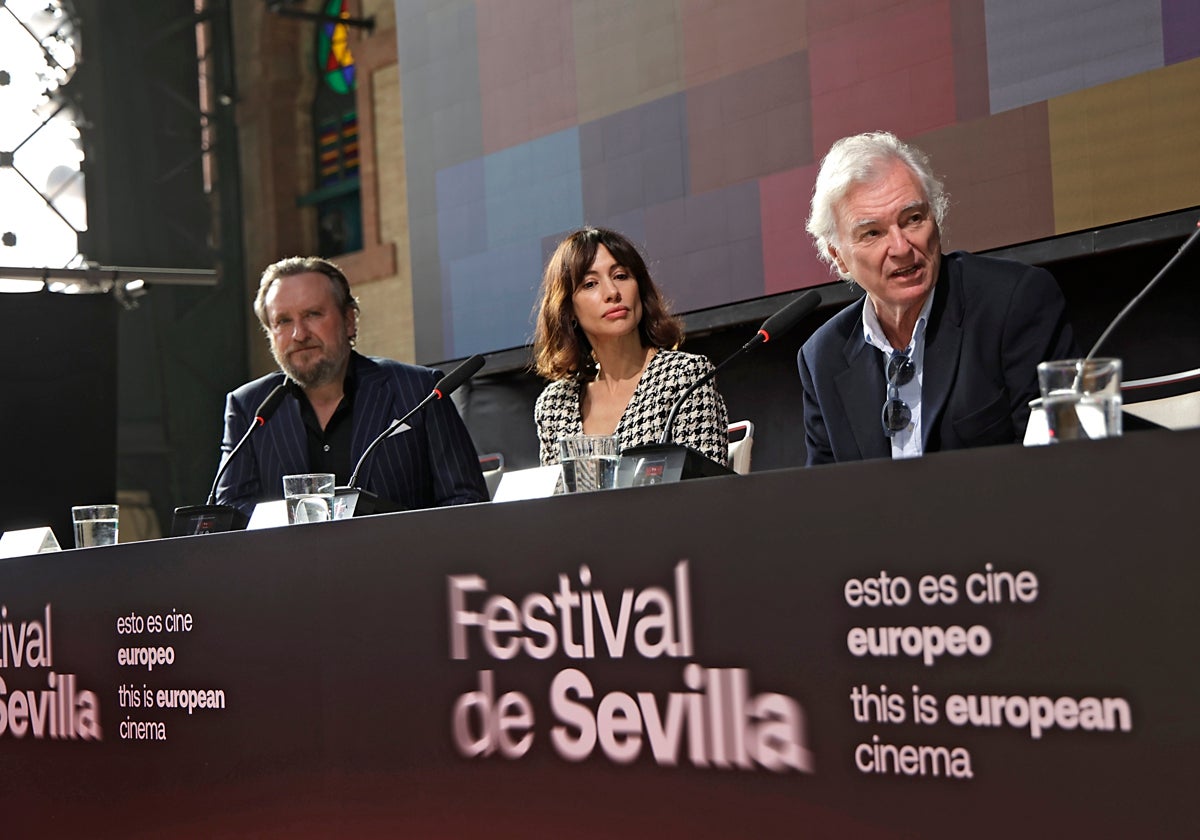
589 462
1082 398
95 525
309 497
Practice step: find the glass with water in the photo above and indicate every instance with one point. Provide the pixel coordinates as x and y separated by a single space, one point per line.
309 497
1081 398
95 525
589 462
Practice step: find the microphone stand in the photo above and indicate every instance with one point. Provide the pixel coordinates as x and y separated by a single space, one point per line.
1183 249
211 518
665 461
1081 365
359 501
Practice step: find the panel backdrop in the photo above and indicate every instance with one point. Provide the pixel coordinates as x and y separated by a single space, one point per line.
696 126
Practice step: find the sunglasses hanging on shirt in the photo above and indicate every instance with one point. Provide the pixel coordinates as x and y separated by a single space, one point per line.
896 414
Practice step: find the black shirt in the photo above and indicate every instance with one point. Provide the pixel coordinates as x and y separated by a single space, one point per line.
329 449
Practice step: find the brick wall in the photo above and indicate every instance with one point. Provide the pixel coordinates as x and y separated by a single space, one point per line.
276 85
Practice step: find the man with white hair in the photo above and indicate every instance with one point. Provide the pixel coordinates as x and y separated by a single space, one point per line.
942 352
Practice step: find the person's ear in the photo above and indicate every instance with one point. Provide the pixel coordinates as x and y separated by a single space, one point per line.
837 259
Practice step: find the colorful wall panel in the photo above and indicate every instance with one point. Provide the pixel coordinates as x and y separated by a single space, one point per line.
696 126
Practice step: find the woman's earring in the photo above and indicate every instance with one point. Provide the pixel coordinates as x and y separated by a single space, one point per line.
574 323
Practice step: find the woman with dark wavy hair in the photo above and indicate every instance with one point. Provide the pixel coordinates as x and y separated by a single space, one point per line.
608 344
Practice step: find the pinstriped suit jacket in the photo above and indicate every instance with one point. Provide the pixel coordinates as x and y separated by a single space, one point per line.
431 465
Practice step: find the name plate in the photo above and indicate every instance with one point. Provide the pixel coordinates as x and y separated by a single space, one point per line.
26 541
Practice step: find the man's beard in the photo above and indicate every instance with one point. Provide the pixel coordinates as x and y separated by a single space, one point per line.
321 372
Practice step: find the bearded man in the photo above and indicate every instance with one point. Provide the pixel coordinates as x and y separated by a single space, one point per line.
339 402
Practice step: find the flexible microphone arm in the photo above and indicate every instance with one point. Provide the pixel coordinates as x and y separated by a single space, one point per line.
775 326
1184 248
666 434
447 385
260 418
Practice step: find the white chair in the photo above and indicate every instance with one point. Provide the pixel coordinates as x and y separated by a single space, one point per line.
741 441
492 465
1172 401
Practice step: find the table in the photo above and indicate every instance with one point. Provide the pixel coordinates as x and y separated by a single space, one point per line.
988 643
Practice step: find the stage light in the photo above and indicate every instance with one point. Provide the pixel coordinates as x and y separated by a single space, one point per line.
17 285
126 284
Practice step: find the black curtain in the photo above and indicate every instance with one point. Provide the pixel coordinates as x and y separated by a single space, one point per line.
58 418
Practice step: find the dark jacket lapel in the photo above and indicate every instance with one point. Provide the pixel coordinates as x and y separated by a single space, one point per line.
943 341
372 400
286 449
862 389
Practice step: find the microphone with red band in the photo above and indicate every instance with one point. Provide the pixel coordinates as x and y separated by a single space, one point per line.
261 416
451 382
210 518
773 327
446 386
786 318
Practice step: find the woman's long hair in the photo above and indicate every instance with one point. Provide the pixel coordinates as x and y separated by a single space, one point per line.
560 348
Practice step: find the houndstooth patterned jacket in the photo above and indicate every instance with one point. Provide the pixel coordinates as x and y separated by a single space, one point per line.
702 422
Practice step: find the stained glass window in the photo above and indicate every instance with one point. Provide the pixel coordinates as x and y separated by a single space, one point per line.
334 58
335 140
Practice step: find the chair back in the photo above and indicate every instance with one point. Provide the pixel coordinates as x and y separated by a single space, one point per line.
1172 400
492 465
741 441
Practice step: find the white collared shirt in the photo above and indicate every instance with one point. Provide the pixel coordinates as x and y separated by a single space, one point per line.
908 442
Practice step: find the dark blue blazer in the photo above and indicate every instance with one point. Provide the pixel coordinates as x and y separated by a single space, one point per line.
432 464
991 323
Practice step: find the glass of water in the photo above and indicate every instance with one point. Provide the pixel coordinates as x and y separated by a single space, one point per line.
589 462
1082 398
95 525
309 497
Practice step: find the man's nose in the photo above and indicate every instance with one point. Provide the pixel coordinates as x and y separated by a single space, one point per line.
898 244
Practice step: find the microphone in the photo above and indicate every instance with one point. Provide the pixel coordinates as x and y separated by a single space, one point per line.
1070 415
786 318
666 462
455 378
774 327
211 518
445 386
1183 249
265 410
